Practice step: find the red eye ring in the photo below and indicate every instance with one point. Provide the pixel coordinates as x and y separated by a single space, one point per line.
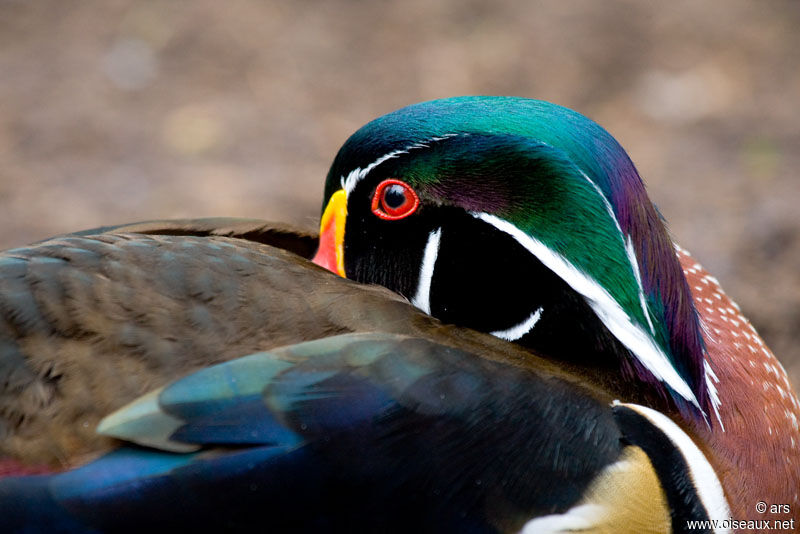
394 200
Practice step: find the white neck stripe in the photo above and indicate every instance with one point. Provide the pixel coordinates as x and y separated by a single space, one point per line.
635 266
708 487
628 244
607 309
516 332
710 377
711 384
422 299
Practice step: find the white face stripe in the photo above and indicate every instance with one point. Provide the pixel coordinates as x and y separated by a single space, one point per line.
608 310
516 332
422 299
356 175
706 483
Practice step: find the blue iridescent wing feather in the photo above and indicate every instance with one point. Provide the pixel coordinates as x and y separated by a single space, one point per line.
364 432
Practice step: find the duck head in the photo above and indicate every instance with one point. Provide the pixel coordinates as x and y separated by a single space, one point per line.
522 219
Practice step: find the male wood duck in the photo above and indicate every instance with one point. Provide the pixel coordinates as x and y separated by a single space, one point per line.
547 360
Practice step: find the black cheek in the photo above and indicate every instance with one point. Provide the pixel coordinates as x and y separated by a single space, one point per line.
485 280
482 278
387 253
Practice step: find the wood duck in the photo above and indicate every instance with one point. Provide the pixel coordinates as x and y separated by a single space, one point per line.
544 359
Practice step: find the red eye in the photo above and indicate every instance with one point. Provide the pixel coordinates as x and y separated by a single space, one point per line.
394 200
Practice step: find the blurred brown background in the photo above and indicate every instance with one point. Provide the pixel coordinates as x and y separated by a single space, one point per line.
116 110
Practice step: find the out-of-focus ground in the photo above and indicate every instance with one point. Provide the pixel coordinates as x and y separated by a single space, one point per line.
119 110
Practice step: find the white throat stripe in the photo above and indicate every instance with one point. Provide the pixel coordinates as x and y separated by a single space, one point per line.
422 299
516 332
